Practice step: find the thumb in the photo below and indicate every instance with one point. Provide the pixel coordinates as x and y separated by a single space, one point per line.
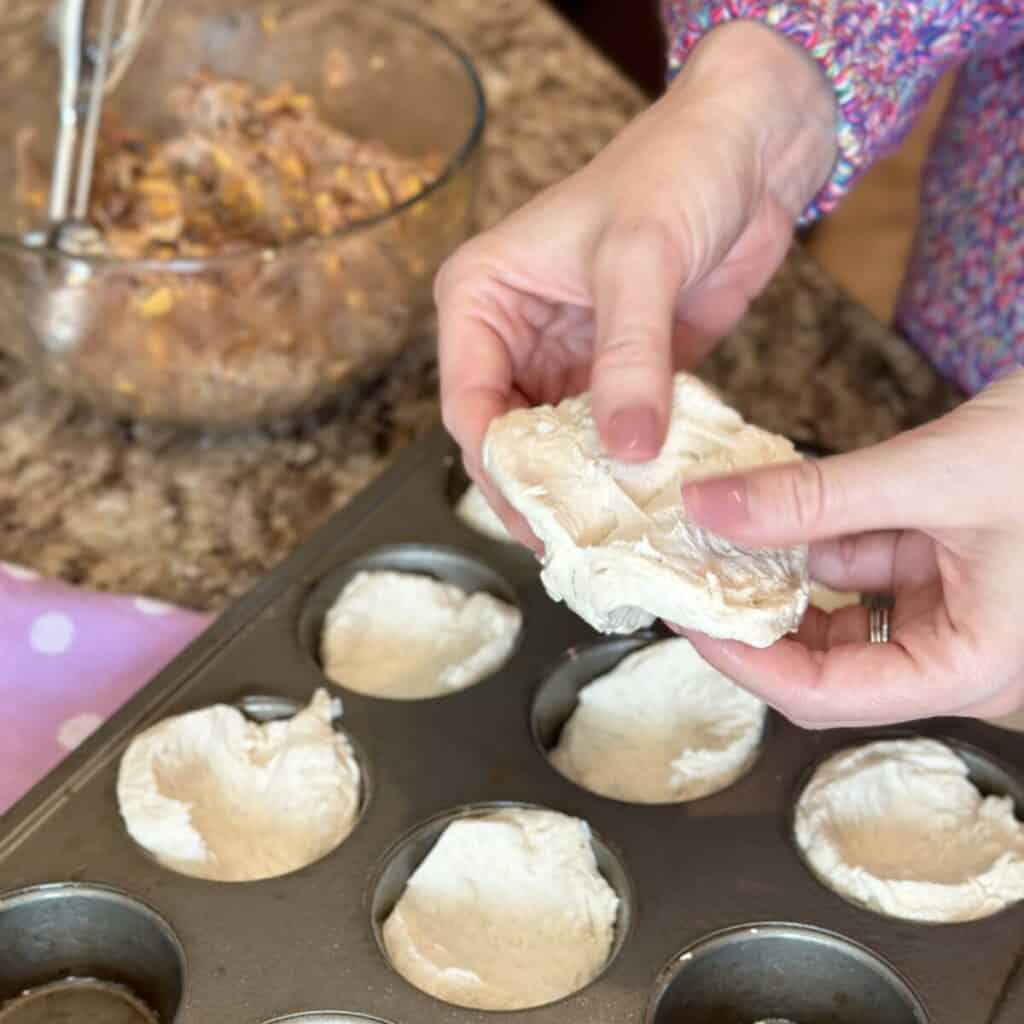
636 279
904 483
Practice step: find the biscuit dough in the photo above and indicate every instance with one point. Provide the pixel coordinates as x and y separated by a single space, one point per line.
406 636
663 726
619 550
507 911
897 826
211 794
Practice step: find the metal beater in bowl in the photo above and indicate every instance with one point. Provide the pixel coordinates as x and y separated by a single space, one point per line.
89 72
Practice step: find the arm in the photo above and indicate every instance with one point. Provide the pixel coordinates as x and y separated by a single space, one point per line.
883 57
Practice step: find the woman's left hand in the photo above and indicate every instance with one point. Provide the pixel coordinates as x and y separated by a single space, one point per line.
934 516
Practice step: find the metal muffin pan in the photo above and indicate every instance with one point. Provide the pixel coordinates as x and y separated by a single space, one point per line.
760 972
56 939
304 947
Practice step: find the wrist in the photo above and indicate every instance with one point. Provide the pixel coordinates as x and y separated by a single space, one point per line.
773 90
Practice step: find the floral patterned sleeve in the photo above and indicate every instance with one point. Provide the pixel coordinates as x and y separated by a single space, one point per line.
882 56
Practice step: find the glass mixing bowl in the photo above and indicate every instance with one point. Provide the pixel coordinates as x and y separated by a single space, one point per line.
243 337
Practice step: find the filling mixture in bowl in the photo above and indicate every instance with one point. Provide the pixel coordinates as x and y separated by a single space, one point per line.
506 912
214 795
244 168
408 636
898 827
618 548
663 726
256 255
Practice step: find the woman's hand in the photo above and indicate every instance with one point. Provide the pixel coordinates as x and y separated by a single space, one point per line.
640 262
936 516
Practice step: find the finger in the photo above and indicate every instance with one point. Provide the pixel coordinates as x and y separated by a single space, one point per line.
637 276
514 522
848 685
919 673
874 561
721 299
820 630
903 483
475 369
862 562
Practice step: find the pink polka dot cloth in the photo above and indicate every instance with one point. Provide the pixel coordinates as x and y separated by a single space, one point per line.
69 658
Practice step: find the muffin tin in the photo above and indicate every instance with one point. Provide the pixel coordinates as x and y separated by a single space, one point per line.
721 921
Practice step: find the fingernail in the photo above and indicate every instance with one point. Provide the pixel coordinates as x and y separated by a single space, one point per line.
633 434
717 504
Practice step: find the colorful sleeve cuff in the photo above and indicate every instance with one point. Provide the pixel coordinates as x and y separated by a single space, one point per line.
802 24
883 57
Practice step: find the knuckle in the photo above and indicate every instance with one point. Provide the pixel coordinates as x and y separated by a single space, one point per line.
804 498
847 553
630 348
449 416
806 718
445 278
810 709
630 234
460 268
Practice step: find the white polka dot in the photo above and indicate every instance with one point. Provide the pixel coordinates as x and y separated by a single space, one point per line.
76 729
52 633
148 606
19 572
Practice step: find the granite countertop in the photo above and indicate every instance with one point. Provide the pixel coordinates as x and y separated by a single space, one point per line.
197 519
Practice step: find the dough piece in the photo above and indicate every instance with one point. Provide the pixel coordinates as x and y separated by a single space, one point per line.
476 512
214 795
828 600
507 911
898 827
663 726
405 636
618 548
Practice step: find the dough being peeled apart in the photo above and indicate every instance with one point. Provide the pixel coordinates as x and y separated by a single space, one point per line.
619 550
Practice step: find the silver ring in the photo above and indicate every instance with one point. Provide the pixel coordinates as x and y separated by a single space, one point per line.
878 625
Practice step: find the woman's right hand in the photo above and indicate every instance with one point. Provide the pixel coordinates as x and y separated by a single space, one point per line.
637 264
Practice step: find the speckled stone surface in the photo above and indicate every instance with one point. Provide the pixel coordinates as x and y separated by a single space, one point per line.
197 520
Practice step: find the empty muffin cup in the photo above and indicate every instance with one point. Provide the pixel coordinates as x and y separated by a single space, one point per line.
657 725
606 889
788 972
410 622
912 827
79 952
